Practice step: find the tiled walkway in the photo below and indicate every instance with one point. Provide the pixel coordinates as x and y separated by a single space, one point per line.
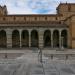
29 64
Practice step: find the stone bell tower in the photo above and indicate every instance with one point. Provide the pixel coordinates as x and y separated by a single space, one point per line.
66 9
3 10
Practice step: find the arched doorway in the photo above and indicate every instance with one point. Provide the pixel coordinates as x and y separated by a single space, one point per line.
3 39
47 38
34 38
25 38
56 38
15 39
64 38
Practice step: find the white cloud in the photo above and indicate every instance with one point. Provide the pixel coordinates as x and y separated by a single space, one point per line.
22 7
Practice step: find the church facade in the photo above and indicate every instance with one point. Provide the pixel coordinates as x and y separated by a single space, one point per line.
40 31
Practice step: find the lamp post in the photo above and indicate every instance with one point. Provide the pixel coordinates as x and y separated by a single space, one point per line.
40 55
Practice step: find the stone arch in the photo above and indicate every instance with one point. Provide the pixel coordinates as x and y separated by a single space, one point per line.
3 39
25 38
34 38
64 38
56 38
47 38
15 39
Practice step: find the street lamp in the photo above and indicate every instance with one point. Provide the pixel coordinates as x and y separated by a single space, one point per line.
40 54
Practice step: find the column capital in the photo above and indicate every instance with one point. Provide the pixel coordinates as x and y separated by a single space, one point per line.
20 30
60 30
29 30
52 30
8 29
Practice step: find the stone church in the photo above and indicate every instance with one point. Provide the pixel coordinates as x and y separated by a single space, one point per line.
54 31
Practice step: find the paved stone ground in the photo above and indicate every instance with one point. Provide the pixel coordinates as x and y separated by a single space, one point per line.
28 64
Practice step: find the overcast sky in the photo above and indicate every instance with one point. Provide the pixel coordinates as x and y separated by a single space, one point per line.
32 6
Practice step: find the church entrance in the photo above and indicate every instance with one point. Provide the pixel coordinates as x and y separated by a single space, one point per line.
15 39
34 38
3 39
25 38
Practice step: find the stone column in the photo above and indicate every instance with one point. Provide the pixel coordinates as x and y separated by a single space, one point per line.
51 38
29 38
20 32
41 32
60 39
9 38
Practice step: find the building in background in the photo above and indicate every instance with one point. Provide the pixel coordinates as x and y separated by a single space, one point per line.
41 31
